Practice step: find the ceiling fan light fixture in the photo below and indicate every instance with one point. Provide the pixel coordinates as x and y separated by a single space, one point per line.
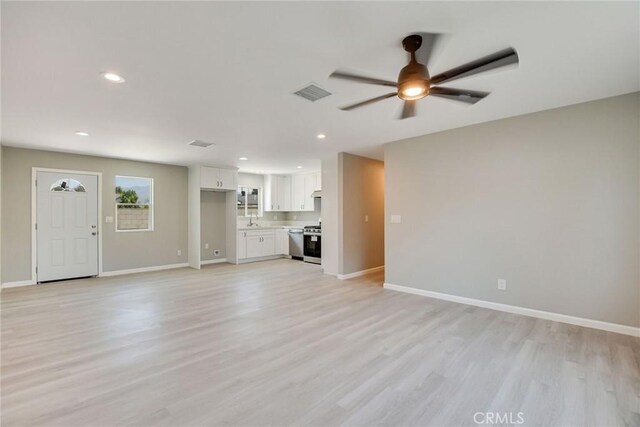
412 92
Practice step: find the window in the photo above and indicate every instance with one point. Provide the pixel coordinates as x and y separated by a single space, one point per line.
249 201
134 203
68 184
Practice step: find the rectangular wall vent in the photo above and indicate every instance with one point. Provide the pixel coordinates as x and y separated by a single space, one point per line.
312 93
198 143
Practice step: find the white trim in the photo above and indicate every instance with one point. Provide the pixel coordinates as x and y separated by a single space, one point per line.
34 215
213 261
18 283
259 258
144 269
360 273
556 317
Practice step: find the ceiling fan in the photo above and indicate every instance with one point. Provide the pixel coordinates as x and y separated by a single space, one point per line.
414 81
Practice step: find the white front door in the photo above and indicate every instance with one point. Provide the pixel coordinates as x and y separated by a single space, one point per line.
66 225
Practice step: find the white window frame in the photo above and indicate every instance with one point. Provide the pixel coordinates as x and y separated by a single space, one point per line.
246 206
150 204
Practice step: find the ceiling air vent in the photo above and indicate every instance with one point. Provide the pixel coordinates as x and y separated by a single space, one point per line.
198 143
312 93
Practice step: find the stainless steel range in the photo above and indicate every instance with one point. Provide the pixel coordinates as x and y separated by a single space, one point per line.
313 244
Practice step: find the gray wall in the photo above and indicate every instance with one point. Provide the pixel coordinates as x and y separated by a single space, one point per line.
212 224
549 201
362 183
330 216
120 250
352 188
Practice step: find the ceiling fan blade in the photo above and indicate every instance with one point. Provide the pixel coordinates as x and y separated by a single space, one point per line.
489 62
408 110
431 43
368 101
362 79
468 96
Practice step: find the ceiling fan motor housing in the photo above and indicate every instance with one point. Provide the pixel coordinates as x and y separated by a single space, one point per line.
413 81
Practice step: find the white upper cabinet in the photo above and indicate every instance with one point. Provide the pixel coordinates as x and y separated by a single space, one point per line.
297 193
302 187
218 178
291 192
309 188
278 193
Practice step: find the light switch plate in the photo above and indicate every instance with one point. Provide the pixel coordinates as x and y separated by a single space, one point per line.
366 218
396 219
502 284
108 219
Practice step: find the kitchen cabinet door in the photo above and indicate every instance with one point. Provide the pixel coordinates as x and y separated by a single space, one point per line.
268 244
297 193
228 179
242 245
318 181
208 177
254 246
284 242
270 193
309 188
284 193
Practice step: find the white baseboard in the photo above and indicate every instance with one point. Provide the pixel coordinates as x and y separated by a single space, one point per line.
18 283
563 318
143 269
360 273
213 261
261 258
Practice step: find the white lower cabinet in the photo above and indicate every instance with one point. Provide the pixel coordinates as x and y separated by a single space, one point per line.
282 242
261 243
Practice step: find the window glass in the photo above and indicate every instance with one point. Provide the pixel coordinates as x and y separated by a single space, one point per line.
134 203
249 200
68 184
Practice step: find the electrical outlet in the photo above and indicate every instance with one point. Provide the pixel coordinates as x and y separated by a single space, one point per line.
502 284
396 219
275 217
179 252
206 246
366 218
216 252
295 217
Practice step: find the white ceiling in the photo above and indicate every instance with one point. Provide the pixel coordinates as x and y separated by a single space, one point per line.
225 73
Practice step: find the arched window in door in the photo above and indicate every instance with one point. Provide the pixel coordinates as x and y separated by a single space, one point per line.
68 184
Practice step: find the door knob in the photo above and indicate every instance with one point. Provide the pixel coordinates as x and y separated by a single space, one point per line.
93 226
94 233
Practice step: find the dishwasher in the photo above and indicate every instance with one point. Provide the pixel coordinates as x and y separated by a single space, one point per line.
296 243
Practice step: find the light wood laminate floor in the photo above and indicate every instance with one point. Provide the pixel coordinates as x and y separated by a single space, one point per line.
278 343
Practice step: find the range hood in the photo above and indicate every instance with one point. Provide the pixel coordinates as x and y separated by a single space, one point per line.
316 194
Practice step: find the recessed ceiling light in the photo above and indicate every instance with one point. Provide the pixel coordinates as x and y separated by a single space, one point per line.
80 133
321 136
299 167
113 77
243 158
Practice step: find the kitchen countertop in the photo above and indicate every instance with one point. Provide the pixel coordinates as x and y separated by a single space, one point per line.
269 227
